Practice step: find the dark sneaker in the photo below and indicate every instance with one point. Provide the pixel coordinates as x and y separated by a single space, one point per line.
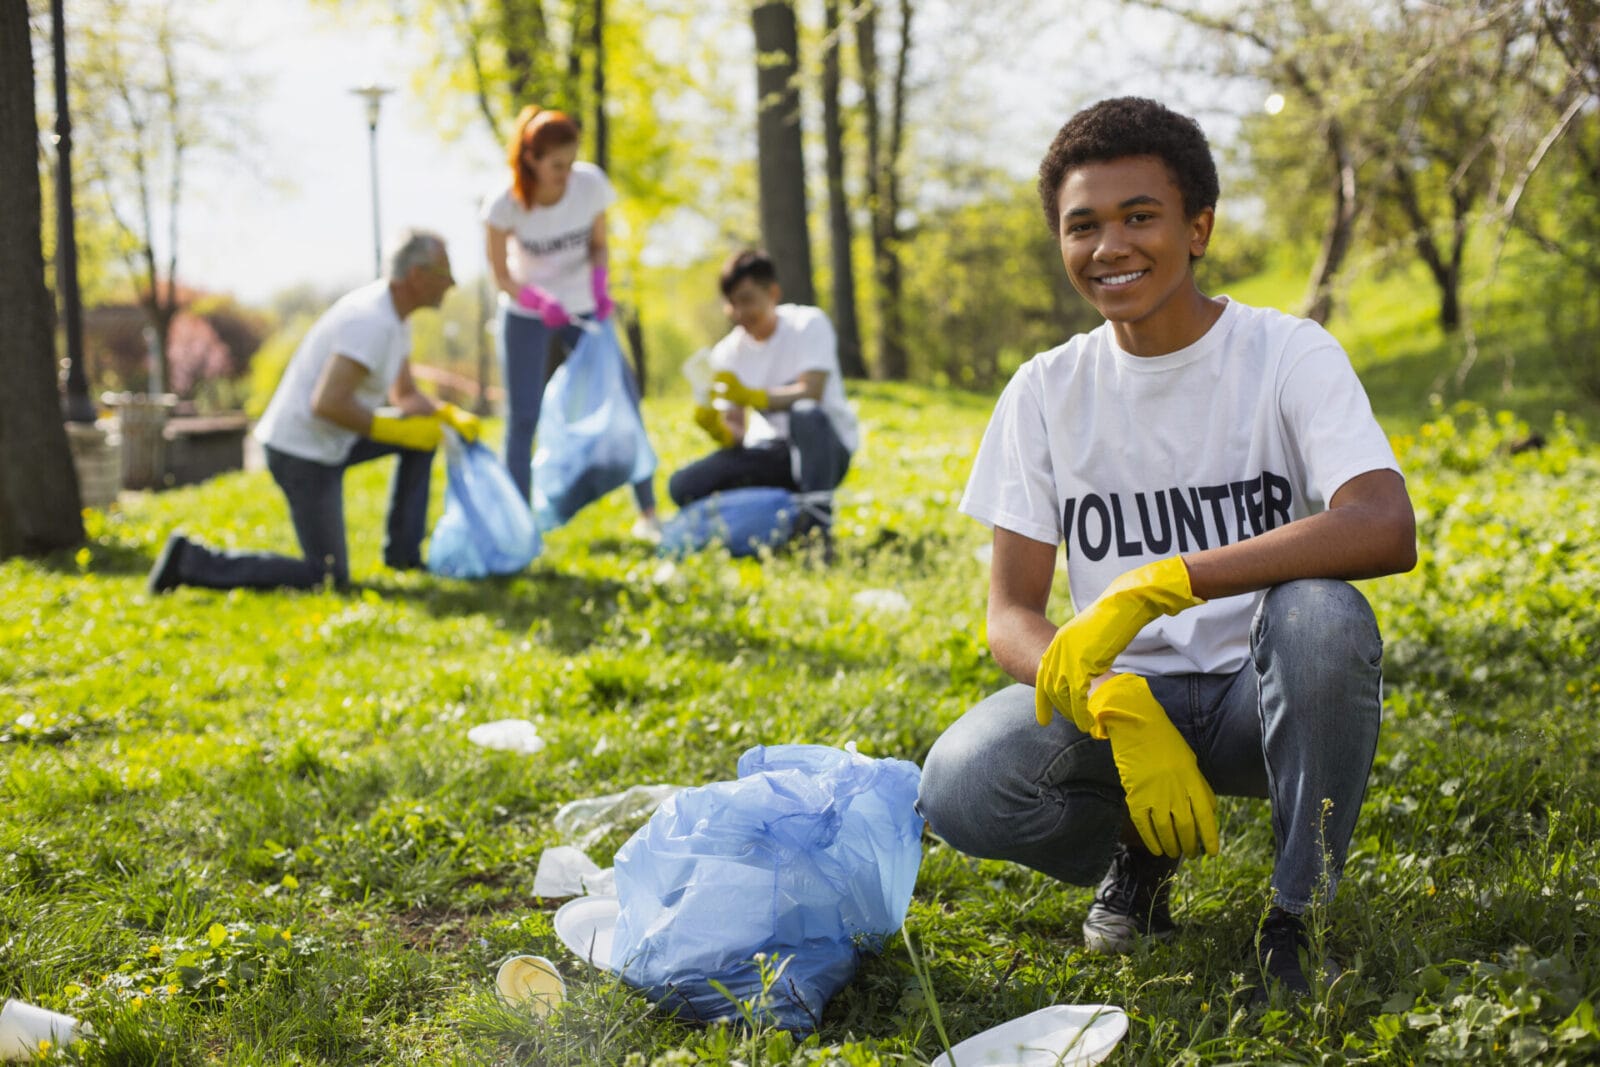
1283 952
166 573
1132 903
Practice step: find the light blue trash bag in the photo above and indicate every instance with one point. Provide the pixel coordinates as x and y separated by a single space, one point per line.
745 520
486 527
809 857
591 439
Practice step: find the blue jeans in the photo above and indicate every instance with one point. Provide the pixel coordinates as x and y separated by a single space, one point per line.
1297 725
813 459
524 367
315 492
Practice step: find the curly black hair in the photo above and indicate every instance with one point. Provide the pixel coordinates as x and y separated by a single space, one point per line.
1130 126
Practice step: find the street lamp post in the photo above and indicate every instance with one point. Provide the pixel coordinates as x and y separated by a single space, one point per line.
76 405
374 94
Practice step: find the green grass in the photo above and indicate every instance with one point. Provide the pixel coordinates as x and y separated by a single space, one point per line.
247 828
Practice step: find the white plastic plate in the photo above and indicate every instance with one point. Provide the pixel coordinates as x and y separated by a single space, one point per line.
1071 1035
586 926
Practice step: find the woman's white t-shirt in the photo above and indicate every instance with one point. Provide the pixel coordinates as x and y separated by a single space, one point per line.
803 340
1128 459
548 244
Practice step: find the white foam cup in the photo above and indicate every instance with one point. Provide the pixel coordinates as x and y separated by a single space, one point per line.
23 1027
532 982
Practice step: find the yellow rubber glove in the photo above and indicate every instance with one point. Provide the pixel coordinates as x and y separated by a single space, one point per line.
1169 800
422 433
726 385
708 419
1087 645
461 421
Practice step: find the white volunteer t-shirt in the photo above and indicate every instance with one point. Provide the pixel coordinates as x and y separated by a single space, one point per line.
363 326
548 244
1130 459
804 340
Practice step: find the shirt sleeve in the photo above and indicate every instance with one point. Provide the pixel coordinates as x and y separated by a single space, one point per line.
604 193
1329 418
364 340
818 347
1012 485
498 210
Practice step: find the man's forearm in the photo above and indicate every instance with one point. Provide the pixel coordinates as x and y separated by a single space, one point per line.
1017 639
1348 543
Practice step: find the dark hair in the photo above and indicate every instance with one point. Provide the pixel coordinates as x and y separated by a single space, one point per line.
752 263
540 131
1130 126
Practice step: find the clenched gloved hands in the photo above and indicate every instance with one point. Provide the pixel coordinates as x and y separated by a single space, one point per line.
1091 640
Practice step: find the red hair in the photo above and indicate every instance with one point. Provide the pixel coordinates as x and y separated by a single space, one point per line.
541 131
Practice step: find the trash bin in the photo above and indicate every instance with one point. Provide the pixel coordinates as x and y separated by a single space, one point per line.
142 418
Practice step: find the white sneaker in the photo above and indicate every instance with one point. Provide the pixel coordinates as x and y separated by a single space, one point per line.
647 528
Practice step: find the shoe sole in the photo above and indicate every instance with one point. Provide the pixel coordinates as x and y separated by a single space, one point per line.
1121 941
164 572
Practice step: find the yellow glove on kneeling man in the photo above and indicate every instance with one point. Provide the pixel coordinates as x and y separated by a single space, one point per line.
421 433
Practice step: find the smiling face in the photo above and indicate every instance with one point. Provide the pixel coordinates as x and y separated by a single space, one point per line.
1128 245
551 172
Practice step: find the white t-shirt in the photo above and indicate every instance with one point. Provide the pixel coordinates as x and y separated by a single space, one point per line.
363 326
1132 459
804 340
548 244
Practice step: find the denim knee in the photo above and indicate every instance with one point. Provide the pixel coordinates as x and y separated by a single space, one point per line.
1319 621
998 786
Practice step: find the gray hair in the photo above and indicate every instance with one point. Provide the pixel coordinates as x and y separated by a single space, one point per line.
414 248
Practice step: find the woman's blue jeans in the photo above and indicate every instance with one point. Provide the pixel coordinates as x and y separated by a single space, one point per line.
524 363
1297 725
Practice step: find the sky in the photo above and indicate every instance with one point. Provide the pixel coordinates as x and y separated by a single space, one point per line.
300 211
296 208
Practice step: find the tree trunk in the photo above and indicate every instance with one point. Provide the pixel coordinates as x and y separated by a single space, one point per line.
782 171
867 60
1446 276
526 37
39 509
1340 227
840 233
597 42
883 187
894 364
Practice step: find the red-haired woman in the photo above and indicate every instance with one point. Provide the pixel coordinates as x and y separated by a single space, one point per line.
546 240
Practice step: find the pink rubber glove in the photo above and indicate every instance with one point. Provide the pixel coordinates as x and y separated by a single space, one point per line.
599 284
547 307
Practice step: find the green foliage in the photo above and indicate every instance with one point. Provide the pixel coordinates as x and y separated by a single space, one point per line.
271 360
247 827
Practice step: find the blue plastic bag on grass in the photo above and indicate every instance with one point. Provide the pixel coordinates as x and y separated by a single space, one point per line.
591 439
745 520
486 527
809 857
